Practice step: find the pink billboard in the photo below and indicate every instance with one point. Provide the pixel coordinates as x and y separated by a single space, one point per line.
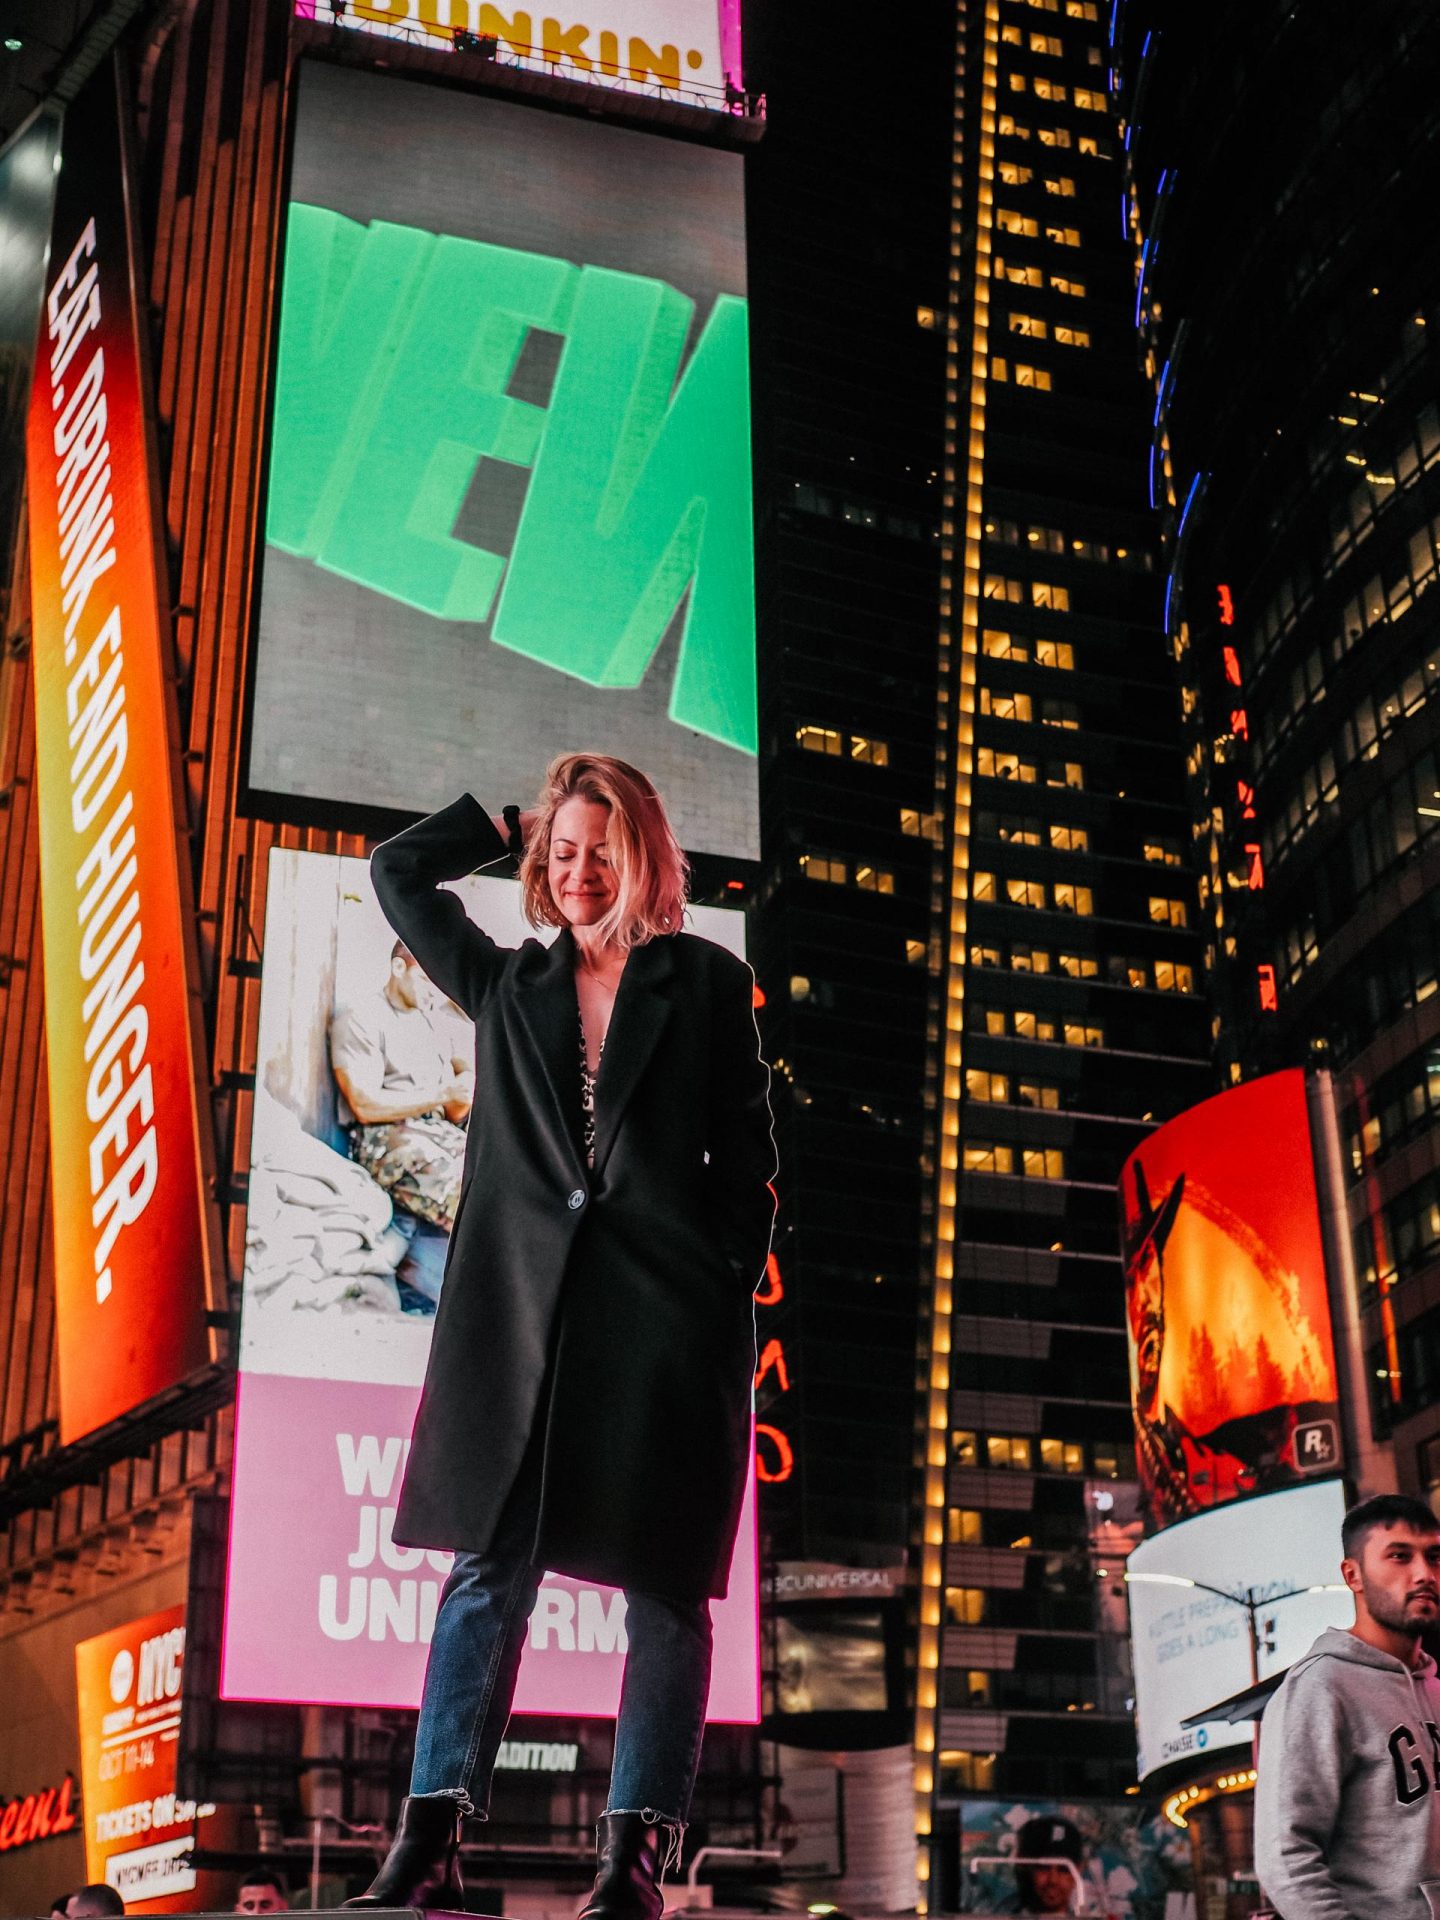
341 1280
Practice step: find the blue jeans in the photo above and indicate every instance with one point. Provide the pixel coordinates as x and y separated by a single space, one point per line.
475 1661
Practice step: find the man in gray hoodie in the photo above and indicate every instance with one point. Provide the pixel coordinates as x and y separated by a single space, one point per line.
1347 1806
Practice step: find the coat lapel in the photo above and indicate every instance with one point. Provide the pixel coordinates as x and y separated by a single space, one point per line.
551 1015
642 1006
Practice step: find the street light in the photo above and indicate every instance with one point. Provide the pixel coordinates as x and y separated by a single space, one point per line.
1248 1598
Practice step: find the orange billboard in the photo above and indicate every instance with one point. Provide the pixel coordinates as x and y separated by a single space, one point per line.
138 1835
127 1191
1232 1363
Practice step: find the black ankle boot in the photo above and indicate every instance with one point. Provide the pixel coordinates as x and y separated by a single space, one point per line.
630 1852
422 1868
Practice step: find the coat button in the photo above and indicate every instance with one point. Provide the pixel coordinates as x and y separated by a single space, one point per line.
577 1200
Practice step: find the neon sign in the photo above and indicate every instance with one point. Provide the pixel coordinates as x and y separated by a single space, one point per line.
774 1455
1227 606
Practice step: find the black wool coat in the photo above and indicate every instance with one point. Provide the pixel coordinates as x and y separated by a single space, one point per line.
615 1305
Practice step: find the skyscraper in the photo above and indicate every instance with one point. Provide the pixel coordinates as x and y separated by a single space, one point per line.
1277 187
1067 1014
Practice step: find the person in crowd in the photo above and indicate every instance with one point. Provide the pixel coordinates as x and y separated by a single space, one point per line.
588 1396
1347 1805
97 1899
1046 1884
263 1890
405 1095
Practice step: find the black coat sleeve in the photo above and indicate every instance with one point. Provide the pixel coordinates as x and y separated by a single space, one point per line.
408 871
742 1138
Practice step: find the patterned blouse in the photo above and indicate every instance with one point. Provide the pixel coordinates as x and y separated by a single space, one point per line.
587 1095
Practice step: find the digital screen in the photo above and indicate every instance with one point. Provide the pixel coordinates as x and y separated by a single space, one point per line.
1192 1647
344 1262
829 1660
1130 1862
686 50
1232 1364
508 497
138 1835
129 1196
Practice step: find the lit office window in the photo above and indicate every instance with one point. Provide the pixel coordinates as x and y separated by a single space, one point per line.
965 1606
1073 899
1009 128
984 956
964 1447
915 953
1098 149
1044 1094
1037 377
1091 101
1064 773
964 1772
1005 766
1029 959
1010 222
1055 653
1042 1163
1172 976
1012 174
1003 646
1168 913
1047 43
1028 324
1049 90
1075 288
1080 966
1081 10
1062 1456
1063 236
1062 186
874 879
982 886
1046 593
963 1527
1017 275
824 866
1077 1034
820 739
1071 337
1067 839
1060 713
1025 893
875 753
986 1156
1165 853
980 1085
1029 1025
1054 136
1005 706
997 587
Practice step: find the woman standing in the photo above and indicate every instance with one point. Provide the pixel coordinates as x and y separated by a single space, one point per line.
587 1402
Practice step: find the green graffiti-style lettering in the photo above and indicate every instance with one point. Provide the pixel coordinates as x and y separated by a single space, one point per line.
396 348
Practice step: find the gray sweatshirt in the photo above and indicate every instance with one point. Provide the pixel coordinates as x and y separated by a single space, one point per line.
1347 1807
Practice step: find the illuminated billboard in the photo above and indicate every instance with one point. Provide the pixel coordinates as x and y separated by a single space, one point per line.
508 494
1129 1862
346 1239
128 1194
1232 1364
138 1835
680 49
1192 1646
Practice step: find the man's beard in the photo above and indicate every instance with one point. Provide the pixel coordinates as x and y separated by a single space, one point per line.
1396 1615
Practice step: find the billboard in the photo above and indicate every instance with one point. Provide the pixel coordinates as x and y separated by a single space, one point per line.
1232 1363
684 49
1132 1863
1192 1646
508 492
138 1835
345 1250
127 1194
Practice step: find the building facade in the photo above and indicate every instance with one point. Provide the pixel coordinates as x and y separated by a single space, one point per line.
1287 315
1067 1015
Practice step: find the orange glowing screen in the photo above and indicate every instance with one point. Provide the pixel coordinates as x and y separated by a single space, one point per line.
139 1834
1232 1365
126 1185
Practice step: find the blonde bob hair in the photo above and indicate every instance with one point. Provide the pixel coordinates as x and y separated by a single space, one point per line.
652 872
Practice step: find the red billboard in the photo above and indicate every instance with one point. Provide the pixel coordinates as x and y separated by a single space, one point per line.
1232 1365
127 1188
